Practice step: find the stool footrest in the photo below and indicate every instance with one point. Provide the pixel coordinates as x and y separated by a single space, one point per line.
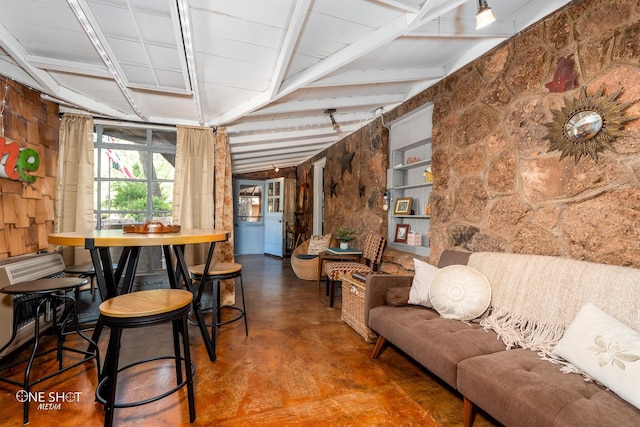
103 381
241 314
91 355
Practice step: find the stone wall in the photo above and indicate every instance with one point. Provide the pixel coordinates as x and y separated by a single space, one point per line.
27 209
354 183
497 188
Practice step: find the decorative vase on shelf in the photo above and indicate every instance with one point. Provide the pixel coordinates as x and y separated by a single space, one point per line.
428 175
344 245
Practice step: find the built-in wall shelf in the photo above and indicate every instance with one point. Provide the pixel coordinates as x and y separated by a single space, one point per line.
409 158
418 250
410 186
422 163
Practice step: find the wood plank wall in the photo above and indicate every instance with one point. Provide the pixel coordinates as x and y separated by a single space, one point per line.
27 210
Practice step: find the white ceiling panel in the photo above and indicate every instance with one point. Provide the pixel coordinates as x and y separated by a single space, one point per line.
266 69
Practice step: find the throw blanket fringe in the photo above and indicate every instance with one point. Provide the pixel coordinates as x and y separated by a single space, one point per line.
518 331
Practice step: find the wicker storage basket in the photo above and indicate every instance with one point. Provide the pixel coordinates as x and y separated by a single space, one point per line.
353 307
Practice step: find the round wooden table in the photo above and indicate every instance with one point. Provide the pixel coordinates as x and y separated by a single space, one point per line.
98 242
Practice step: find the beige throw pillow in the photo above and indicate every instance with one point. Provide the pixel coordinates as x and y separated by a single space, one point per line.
605 349
319 244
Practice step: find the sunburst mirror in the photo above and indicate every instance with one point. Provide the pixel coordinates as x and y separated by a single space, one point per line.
587 125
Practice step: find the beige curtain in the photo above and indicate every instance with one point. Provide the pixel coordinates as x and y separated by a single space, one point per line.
202 193
193 202
74 186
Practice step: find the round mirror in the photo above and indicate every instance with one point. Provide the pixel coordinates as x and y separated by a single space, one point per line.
583 126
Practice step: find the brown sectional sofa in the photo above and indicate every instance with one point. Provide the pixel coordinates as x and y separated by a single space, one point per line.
515 386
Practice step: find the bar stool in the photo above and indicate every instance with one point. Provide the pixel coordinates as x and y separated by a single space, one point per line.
45 295
218 272
137 310
84 271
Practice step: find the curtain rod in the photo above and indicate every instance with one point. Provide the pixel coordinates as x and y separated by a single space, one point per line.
147 125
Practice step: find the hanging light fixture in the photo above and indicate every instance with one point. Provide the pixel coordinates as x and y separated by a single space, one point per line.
484 16
275 168
330 112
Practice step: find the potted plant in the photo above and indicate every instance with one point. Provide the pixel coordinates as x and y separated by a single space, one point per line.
345 236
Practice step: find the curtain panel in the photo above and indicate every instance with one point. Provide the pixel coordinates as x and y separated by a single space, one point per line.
202 193
224 192
74 185
193 197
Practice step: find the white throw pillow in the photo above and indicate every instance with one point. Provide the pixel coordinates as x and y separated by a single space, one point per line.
419 292
605 349
318 244
460 292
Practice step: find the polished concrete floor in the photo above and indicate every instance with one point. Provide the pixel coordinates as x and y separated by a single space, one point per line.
300 365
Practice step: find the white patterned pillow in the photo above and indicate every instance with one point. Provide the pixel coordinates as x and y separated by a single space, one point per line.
605 349
460 292
419 292
319 244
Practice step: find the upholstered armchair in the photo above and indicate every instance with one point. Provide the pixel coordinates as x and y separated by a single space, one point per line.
371 253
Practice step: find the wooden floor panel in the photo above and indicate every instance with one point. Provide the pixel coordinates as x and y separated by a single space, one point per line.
300 365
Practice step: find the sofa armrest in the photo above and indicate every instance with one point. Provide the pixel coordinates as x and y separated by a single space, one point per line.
376 288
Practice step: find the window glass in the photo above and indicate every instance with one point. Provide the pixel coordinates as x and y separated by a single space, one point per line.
134 174
249 203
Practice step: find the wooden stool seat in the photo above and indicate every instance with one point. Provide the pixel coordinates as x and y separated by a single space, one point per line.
217 269
146 303
137 310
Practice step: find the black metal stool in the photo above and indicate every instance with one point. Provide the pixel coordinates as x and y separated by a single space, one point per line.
218 272
85 271
137 310
37 295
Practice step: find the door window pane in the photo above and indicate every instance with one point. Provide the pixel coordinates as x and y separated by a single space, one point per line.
249 203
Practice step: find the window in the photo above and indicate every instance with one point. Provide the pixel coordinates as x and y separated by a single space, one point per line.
249 209
134 169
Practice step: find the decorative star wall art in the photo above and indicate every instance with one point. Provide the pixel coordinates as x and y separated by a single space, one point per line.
332 188
346 160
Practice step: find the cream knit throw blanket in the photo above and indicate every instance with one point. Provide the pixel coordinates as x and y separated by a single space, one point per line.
534 298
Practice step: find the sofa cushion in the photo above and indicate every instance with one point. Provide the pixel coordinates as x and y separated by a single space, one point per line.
518 388
460 292
419 293
606 349
436 343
